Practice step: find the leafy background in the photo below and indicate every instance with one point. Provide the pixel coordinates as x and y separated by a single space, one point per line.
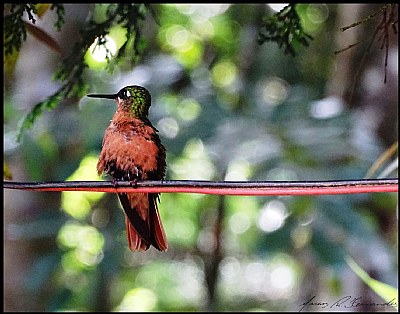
227 108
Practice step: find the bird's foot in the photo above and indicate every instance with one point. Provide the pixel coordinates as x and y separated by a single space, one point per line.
133 183
114 182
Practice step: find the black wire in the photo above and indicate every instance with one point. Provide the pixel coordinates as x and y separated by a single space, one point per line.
202 184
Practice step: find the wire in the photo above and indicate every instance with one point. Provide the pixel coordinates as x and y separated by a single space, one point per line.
244 188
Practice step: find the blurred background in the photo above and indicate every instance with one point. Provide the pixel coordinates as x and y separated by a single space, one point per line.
227 108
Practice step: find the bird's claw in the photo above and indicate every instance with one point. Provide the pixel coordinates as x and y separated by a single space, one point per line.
114 182
133 183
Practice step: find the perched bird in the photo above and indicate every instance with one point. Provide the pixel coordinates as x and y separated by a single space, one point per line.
132 151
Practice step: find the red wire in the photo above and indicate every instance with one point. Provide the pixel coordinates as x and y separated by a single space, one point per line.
251 188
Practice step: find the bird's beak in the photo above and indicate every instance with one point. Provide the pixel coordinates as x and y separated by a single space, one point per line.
109 96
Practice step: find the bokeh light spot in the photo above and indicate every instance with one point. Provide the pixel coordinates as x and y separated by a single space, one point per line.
239 223
202 12
317 13
328 107
138 299
282 277
255 272
100 53
194 163
78 204
223 74
189 109
301 236
272 216
274 91
177 36
238 170
168 127
86 244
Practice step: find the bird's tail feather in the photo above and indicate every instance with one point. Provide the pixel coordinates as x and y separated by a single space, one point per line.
157 232
143 223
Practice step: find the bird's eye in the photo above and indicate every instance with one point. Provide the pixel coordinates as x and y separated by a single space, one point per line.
125 94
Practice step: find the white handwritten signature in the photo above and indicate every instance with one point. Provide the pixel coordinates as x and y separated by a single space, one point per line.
346 302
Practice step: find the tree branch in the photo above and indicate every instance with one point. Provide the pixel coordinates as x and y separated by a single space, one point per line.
244 188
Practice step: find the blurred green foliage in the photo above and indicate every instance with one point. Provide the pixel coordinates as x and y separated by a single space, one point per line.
285 29
227 109
14 28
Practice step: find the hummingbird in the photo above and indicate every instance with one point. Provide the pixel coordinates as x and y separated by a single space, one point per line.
132 151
